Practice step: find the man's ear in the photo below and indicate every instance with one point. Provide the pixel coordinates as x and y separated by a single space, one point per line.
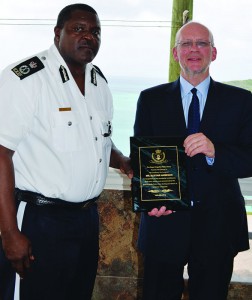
57 31
214 53
175 53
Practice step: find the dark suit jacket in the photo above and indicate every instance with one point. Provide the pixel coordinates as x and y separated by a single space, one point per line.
218 224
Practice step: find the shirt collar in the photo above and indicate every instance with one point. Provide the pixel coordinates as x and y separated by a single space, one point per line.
186 87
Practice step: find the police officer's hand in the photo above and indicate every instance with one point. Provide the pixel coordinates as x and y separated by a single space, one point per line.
125 166
18 251
121 162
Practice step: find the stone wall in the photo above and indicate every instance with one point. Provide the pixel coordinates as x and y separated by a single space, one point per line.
120 271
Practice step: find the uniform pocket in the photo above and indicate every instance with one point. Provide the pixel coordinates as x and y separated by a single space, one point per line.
66 131
105 124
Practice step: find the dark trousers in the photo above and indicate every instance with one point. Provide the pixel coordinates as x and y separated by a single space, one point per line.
65 244
210 279
164 281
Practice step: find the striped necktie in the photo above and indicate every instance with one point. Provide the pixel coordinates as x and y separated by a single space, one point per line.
193 114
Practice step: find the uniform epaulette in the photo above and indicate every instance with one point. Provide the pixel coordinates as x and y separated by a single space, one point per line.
100 72
28 67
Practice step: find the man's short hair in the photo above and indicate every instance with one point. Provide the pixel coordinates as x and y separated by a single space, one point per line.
65 13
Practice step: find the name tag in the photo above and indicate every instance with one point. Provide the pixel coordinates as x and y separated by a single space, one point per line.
65 108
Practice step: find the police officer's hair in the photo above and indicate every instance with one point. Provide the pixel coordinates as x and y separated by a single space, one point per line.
65 13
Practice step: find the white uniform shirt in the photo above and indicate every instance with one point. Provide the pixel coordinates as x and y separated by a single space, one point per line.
55 131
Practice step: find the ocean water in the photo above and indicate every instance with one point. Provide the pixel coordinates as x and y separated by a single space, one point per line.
125 93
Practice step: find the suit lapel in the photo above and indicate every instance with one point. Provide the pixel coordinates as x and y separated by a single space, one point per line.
175 110
211 113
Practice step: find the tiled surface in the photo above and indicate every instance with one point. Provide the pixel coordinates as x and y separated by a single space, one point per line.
120 271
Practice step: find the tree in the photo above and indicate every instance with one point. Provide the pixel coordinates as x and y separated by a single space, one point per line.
182 11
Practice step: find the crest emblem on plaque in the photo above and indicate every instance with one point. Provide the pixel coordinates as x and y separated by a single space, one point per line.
158 156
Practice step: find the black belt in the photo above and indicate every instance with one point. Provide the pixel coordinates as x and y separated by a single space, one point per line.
41 200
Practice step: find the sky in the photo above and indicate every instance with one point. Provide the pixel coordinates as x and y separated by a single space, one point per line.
130 51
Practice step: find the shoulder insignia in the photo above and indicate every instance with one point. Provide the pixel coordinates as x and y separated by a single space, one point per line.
63 74
100 73
28 67
93 77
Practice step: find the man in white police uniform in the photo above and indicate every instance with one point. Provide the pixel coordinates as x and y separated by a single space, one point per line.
55 150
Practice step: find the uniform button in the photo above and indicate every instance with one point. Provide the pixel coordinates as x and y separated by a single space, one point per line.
96 138
100 160
91 118
69 123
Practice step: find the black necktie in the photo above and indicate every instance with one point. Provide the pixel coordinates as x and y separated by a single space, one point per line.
193 114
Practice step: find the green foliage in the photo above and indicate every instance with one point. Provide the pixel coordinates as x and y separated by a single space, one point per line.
245 84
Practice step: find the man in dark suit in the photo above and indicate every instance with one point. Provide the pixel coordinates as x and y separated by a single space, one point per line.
209 235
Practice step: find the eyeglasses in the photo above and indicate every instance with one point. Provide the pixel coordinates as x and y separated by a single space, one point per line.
189 44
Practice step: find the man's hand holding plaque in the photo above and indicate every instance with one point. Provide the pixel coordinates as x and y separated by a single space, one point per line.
162 211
